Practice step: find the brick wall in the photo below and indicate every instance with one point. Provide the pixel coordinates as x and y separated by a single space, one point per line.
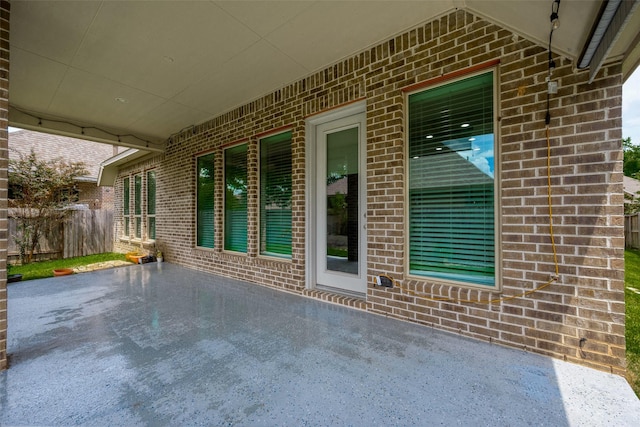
4 156
124 240
91 195
587 300
107 195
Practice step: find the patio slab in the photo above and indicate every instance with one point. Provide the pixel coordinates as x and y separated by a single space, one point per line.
158 344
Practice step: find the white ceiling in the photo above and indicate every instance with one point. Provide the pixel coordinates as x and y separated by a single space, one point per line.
152 68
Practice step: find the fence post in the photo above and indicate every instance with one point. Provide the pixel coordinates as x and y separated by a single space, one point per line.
84 232
632 231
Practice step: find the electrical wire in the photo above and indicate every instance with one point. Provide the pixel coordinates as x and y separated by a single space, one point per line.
555 7
551 233
83 128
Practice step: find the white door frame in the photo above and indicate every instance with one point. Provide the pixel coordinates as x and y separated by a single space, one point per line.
311 246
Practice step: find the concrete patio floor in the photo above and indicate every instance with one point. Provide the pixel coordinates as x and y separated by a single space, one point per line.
163 345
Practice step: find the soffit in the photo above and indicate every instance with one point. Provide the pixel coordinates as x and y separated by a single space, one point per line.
173 64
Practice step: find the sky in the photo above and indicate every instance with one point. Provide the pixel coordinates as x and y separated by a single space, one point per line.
631 108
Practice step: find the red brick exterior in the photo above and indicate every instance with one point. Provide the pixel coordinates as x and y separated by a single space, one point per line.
4 156
586 302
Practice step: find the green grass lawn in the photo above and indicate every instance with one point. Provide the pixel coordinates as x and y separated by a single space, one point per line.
39 270
632 300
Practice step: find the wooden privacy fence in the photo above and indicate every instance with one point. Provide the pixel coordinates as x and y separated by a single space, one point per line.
632 231
85 232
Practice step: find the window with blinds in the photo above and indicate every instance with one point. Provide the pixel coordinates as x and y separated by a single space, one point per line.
137 201
235 200
205 209
452 187
275 195
126 199
151 205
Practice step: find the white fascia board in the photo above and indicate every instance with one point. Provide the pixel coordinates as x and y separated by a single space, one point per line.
109 168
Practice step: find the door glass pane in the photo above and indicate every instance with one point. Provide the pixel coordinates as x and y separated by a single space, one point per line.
342 201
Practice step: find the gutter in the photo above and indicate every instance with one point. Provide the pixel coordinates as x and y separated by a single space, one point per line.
110 167
612 18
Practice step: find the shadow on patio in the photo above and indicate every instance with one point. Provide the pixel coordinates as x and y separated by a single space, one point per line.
161 344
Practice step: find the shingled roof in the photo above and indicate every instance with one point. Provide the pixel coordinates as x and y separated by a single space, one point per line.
49 147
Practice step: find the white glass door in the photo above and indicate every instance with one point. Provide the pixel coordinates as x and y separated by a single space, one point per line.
340 205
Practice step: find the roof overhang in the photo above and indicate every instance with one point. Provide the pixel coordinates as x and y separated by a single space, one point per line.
110 167
612 22
89 179
135 73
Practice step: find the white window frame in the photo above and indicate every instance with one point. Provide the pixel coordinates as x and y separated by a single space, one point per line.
138 199
126 207
155 196
224 208
281 257
197 172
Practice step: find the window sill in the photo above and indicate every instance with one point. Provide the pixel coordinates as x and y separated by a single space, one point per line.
274 258
147 244
429 280
205 249
238 254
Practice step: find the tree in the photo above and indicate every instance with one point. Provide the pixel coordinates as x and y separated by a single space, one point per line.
631 168
631 158
631 205
41 194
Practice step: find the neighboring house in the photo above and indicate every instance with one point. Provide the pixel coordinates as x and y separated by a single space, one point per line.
48 147
631 189
442 132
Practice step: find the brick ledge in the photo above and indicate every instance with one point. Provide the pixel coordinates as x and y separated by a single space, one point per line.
353 302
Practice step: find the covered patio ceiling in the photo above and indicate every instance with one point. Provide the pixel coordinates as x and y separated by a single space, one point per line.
137 72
